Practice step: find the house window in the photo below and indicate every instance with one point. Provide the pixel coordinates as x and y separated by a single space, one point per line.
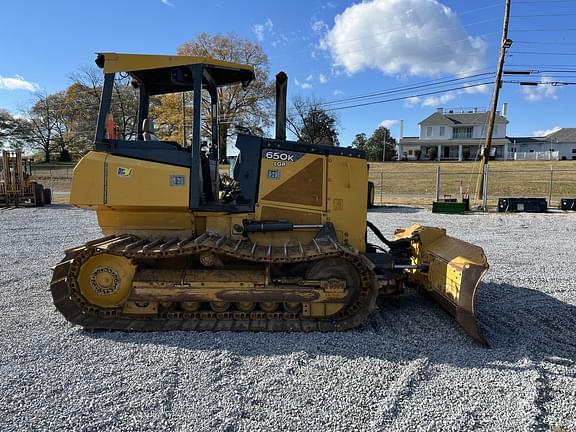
429 131
441 130
574 150
410 153
462 132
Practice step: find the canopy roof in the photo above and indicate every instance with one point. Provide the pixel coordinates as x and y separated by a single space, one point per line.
155 70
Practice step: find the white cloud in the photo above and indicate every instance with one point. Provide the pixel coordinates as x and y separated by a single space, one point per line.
546 132
17 83
319 27
309 77
438 101
388 123
322 78
303 85
412 101
540 92
338 92
414 37
167 3
260 29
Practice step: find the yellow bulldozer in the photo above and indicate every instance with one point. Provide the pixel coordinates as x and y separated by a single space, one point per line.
284 249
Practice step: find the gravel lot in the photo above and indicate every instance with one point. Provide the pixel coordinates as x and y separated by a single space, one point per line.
410 368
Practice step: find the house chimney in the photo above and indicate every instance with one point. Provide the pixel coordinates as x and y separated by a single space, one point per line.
505 109
440 110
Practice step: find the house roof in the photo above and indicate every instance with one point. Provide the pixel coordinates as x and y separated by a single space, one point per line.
454 119
528 140
563 135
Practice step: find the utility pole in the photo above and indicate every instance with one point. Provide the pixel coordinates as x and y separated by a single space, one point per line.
506 43
384 150
183 119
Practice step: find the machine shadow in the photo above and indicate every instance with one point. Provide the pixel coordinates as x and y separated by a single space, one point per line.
518 323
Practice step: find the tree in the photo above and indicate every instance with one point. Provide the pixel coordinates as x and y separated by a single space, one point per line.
312 123
250 107
14 132
81 104
46 124
374 146
432 153
166 110
360 141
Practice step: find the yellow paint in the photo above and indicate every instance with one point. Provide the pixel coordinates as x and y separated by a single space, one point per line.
455 267
88 181
105 280
347 190
147 184
287 170
117 62
145 222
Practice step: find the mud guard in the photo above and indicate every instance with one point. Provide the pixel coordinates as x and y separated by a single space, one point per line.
450 270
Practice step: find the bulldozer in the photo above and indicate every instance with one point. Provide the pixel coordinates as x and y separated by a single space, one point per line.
281 246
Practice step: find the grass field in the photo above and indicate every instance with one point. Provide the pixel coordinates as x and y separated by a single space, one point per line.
415 182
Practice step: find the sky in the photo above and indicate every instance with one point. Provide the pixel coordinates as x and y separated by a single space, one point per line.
374 62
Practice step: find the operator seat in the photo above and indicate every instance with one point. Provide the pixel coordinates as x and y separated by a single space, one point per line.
148 131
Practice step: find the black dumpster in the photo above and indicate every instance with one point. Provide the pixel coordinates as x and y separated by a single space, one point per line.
568 203
532 205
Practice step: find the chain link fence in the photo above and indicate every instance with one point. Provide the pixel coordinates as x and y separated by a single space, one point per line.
423 185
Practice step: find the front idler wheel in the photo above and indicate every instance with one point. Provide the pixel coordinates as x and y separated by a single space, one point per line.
106 280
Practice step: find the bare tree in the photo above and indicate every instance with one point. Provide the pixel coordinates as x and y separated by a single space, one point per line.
45 127
312 123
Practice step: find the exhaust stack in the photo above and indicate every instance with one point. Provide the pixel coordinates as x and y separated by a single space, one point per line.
281 91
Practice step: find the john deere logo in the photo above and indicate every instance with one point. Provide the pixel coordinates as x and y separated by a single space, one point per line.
124 172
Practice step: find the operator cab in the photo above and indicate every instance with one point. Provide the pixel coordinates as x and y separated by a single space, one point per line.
154 75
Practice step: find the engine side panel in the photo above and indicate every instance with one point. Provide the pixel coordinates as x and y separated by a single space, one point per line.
347 189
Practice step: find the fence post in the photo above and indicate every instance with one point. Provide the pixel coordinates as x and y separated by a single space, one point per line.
485 190
381 187
550 188
438 183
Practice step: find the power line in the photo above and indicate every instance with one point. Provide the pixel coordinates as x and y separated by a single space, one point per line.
540 1
542 53
412 96
544 30
543 15
543 43
423 84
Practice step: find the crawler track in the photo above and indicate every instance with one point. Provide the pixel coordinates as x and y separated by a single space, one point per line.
76 309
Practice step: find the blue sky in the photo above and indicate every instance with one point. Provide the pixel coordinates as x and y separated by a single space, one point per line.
330 49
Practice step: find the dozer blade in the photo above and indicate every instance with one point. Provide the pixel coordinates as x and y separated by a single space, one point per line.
450 270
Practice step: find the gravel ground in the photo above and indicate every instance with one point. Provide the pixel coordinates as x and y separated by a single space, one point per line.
410 368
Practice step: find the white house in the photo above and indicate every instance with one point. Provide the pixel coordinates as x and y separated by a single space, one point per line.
456 135
460 135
